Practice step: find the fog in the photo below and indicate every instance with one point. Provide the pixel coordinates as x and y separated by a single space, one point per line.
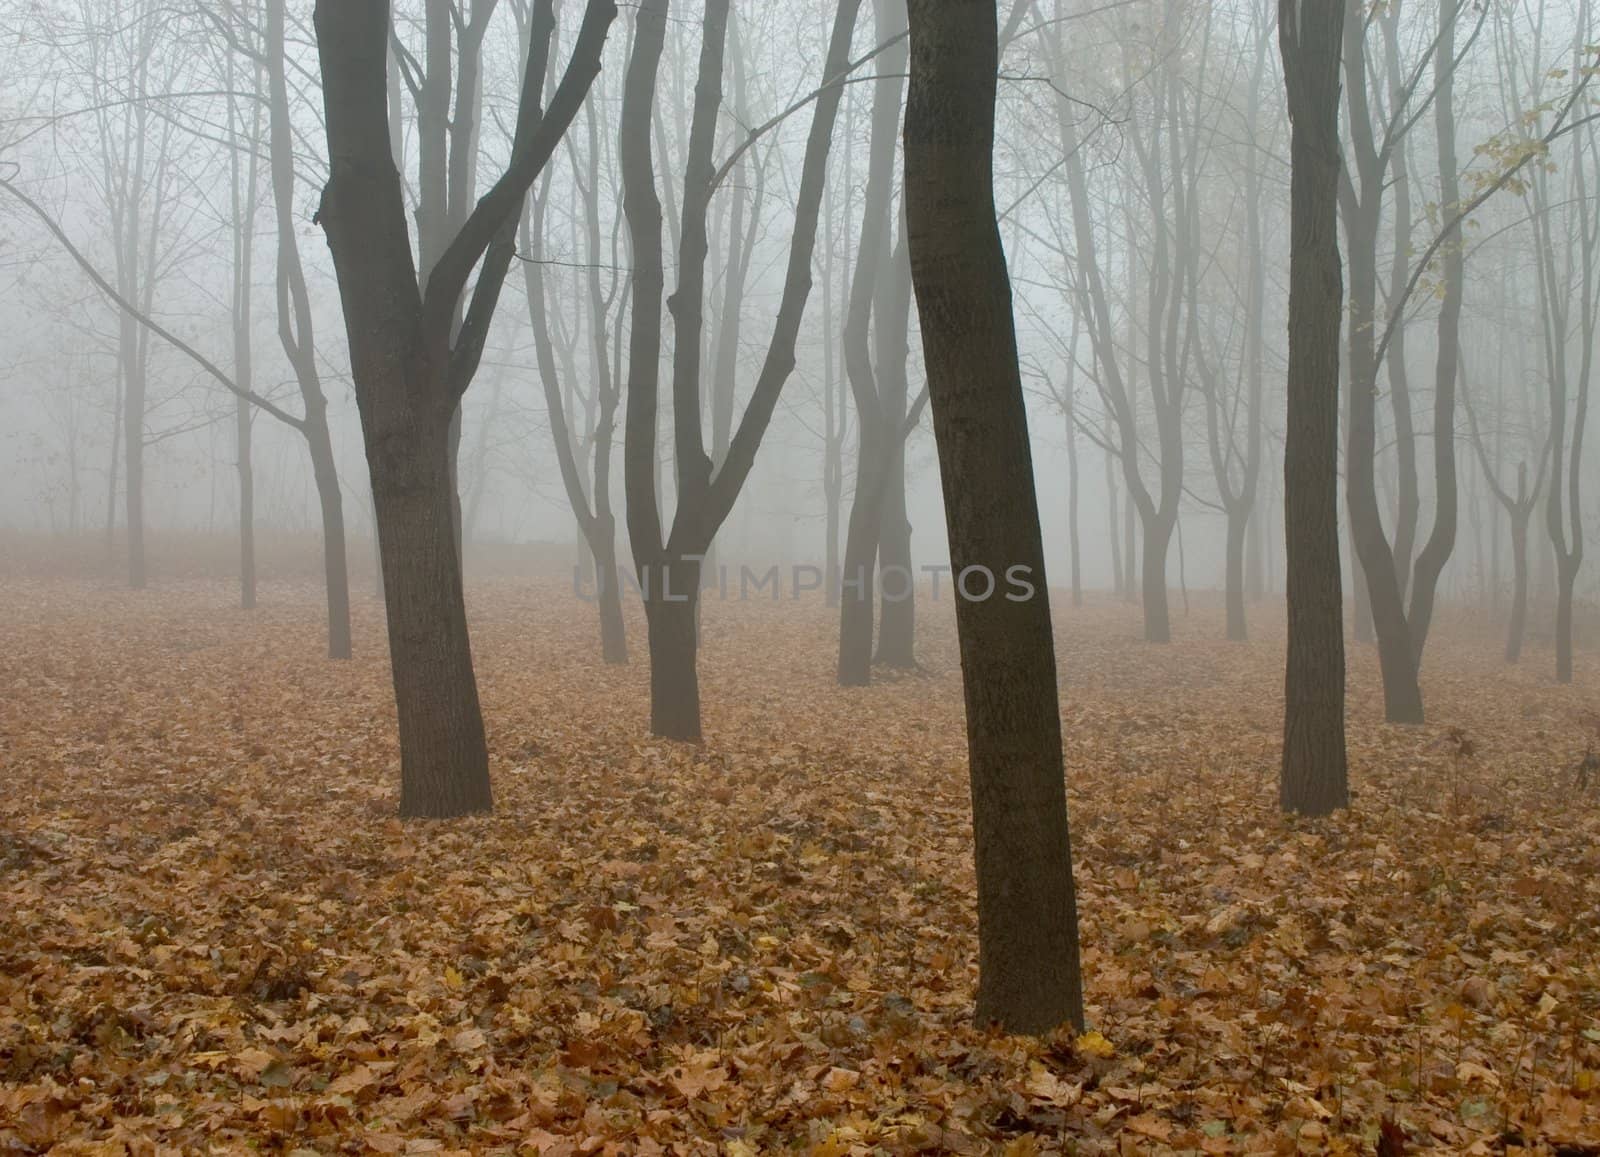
563 565
95 91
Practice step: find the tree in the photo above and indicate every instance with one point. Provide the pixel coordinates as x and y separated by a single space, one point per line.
1237 468
266 52
1029 977
411 362
1313 778
1567 280
877 384
589 497
1376 137
245 136
297 336
669 564
1519 506
1158 511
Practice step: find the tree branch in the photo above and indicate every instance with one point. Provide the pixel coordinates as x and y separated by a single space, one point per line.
144 319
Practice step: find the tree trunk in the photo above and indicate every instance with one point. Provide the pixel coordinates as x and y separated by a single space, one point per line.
411 363
111 472
876 432
405 422
1566 579
1402 694
856 585
1130 550
296 334
1441 542
704 496
1029 978
444 761
1114 525
1255 557
671 605
247 504
1517 627
897 587
1313 778
897 581
1238 521
613 636
133 451
1073 547
1362 627
1157 614
335 561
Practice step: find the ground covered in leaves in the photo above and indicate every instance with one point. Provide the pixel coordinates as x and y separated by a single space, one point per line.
214 934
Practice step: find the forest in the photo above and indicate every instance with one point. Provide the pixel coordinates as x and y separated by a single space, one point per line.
836 577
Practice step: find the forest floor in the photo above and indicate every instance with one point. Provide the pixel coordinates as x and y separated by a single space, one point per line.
215 934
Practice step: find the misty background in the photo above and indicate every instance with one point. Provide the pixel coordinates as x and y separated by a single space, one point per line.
124 115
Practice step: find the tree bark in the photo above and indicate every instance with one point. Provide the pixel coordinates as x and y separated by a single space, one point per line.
411 361
1313 777
1029 978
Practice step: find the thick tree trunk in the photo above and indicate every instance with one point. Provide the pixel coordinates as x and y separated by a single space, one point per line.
1566 579
444 761
1157 613
608 583
411 362
1029 978
671 613
1313 777
405 419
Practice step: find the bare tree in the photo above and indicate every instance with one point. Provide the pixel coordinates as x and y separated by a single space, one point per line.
1028 973
1236 467
1519 505
669 565
590 498
874 455
412 362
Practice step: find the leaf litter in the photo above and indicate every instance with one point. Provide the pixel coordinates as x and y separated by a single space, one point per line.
215 936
